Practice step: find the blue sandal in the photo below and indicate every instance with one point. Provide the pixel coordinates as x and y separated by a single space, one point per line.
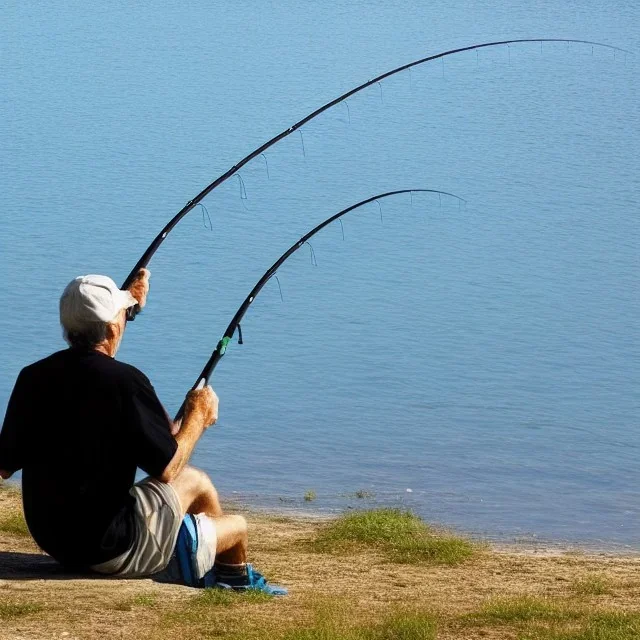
253 581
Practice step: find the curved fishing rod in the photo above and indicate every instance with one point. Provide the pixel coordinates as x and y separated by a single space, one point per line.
221 347
159 239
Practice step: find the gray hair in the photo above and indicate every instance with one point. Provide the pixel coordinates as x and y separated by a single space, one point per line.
87 336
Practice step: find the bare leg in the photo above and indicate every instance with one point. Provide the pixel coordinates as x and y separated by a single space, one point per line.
233 541
198 495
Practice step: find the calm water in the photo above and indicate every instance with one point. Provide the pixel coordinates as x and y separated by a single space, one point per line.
478 364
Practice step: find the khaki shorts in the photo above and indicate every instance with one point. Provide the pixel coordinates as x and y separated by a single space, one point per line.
158 516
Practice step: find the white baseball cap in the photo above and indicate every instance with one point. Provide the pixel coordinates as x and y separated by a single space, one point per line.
92 298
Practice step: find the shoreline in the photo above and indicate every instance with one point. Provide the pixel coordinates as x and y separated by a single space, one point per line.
518 590
523 543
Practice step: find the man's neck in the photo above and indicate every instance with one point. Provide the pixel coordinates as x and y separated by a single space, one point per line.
105 347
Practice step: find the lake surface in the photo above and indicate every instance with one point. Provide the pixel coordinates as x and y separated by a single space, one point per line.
478 364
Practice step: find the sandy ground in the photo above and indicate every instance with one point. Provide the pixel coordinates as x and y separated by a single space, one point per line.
37 600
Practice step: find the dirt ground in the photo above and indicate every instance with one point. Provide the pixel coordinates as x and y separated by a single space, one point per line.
37 600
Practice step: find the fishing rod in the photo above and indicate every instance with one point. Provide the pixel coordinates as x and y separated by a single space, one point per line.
159 239
221 347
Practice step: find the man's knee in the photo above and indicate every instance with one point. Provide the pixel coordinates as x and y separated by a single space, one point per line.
240 524
232 533
194 478
233 525
192 475
192 486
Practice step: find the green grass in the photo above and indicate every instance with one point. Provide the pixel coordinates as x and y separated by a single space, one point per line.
145 600
310 495
142 600
526 609
546 619
400 627
10 610
205 611
14 523
600 626
216 596
405 627
401 535
591 586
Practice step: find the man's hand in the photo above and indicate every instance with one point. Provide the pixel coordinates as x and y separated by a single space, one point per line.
202 404
139 288
200 411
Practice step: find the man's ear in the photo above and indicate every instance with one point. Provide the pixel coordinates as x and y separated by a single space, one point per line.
113 330
114 336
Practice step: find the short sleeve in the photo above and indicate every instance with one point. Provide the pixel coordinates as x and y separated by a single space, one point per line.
154 446
12 436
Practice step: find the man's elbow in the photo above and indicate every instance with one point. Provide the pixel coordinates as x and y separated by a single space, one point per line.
171 471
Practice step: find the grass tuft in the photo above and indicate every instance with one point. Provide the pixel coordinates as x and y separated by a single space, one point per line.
14 523
400 627
310 495
225 597
142 600
401 535
591 586
10 610
406 627
526 609
205 610
145 600
602 626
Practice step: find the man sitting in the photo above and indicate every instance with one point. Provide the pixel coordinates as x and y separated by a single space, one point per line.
80 423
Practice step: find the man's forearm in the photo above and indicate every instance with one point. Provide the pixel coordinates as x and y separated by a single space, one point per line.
201 410
190 432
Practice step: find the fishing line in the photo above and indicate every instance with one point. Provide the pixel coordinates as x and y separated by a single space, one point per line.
204 220
346 104
234 325
266 164
158 240
243 189
304 153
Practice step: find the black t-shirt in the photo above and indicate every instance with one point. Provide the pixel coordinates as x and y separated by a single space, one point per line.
79 424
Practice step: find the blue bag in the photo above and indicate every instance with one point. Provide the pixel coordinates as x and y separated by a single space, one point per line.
186 556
